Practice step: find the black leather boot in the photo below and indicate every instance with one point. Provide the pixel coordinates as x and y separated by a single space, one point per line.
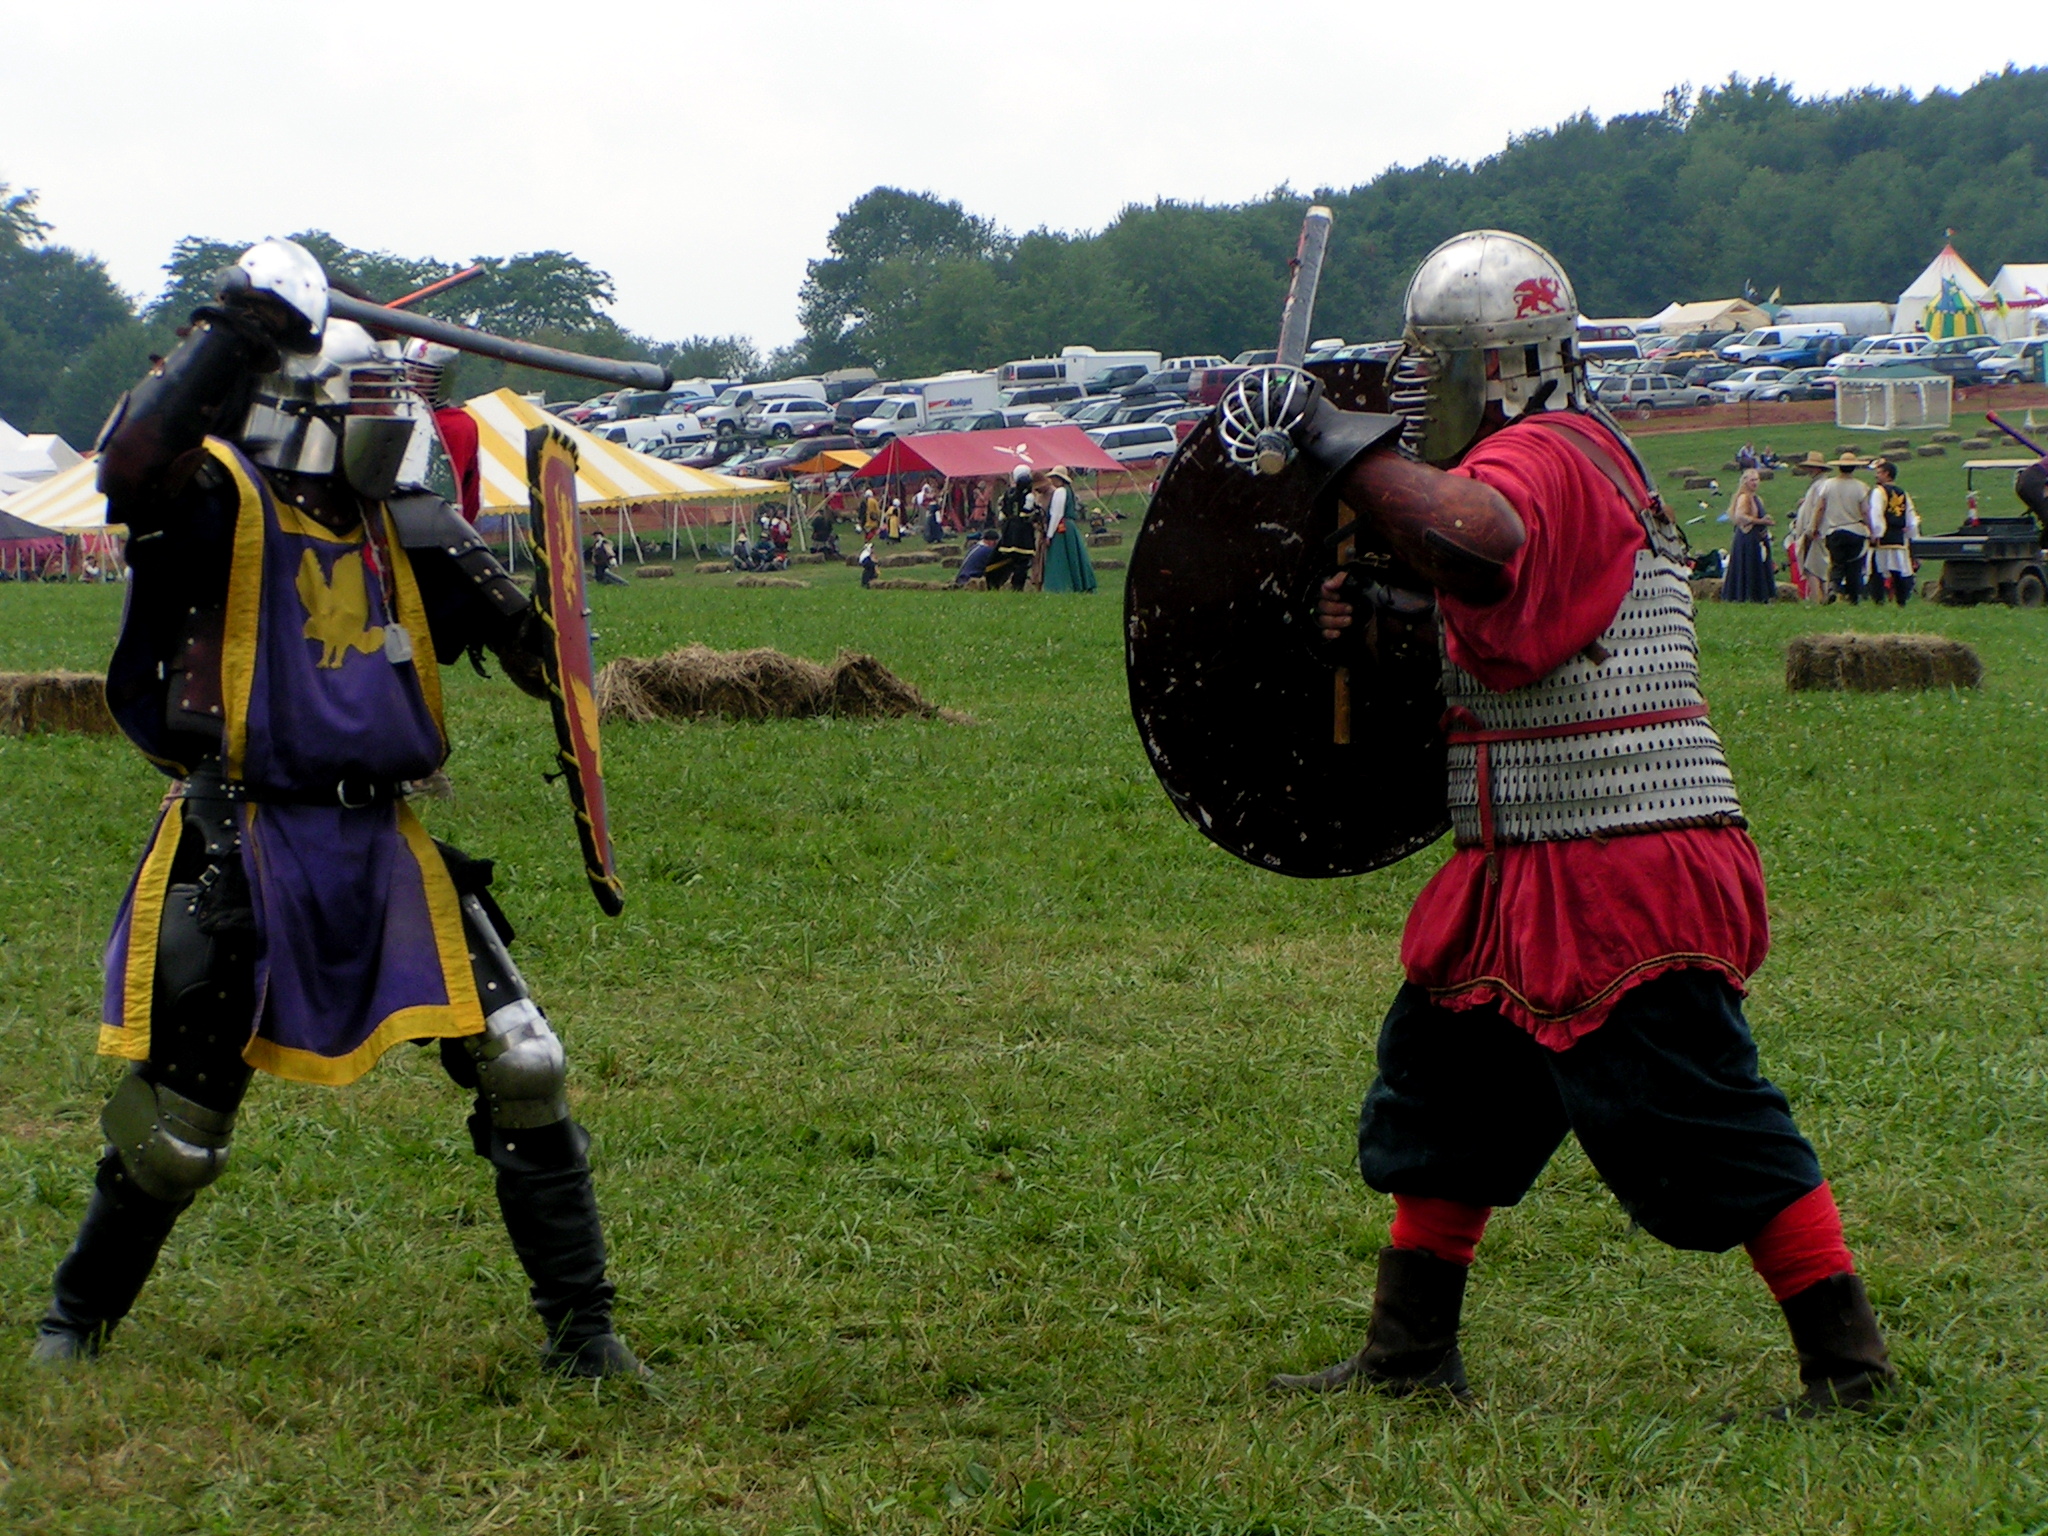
118 1242
1412 1342
550 1210
1842 1359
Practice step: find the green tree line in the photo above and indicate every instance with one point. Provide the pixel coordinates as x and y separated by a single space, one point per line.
1743 186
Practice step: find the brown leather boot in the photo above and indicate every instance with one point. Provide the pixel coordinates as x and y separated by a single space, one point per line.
1842 1358
1412 1343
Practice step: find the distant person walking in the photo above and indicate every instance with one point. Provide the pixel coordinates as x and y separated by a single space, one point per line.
1894 524
1844 526
1751 577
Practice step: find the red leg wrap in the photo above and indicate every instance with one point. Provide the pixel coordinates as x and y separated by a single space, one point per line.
1445 1228
1802 1245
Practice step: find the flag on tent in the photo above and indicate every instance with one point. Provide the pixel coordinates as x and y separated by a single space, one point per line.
1951 314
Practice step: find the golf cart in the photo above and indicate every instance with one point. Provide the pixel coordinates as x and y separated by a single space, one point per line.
1991 559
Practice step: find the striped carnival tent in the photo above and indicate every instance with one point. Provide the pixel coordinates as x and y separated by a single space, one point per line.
1952 314
609 475
67 502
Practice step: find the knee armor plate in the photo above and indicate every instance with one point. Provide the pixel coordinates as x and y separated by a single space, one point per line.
171 1147
521 1068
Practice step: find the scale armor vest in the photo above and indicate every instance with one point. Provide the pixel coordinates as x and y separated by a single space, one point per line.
1630 779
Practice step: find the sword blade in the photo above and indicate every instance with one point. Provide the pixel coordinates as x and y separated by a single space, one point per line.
1301 289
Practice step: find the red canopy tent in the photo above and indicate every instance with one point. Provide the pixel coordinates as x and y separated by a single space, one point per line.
973 455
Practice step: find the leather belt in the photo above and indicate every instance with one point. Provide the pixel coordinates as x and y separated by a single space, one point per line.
350 792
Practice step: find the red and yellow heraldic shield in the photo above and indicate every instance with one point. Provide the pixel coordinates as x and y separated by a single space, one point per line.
558 546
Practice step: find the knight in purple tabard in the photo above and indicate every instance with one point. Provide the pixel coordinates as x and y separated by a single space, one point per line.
292 599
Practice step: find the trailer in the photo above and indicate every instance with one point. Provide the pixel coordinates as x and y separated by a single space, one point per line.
1990 559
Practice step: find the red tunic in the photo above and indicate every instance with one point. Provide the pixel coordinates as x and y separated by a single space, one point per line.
1570 926
459 437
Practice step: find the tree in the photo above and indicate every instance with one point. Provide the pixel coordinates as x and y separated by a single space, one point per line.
914 230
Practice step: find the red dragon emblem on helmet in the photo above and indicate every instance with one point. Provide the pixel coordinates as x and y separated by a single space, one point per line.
1538 296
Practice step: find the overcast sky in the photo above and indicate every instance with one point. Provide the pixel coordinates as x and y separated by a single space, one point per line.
700 152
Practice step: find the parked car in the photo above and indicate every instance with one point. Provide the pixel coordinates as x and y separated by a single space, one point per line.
1767 343
1204 360
1139 443
2015 361
1183 420
1644 394
1873 351
1955 357
1700 375
1206 385
1745 382
1110 380
1258 358
1094 413
1799 384
1045 394
1161 381
780 419
1145 409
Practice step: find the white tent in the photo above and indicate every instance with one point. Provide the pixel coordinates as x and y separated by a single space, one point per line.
1911 314
2024 287
1707 315
34 455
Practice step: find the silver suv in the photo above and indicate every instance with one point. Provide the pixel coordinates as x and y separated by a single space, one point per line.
1644 394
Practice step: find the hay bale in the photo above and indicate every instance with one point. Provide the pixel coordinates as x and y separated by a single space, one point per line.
1973 444
773 581
72 703
1945 437
1705 589
1787 593
948 562
1731 466
712 567
1767 474
1878 663
908 584
697 681
655 572
1698 482
975 584
1683 472
1898 442
1107 565
1931 451
807 559
1104 540
865 689
911 557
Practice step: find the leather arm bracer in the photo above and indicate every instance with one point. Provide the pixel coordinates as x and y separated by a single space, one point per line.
1457 533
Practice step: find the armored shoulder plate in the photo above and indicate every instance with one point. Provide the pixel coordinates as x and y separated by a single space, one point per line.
425 521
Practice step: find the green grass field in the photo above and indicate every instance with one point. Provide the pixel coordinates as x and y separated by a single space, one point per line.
975 1139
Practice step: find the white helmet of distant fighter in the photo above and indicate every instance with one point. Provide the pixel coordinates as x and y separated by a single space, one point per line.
1491 316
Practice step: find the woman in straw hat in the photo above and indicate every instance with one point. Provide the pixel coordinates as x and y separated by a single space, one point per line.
1067 568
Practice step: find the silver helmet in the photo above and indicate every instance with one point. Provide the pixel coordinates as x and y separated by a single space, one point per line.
347 409
1491 317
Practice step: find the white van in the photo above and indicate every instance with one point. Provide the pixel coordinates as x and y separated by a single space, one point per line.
728 413
1199 360
1766 343
1085 365
1032 370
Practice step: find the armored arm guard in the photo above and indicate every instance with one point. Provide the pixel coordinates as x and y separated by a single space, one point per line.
1455 532
471 599
201 388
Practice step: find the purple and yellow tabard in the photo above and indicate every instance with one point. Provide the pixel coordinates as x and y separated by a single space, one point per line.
328 683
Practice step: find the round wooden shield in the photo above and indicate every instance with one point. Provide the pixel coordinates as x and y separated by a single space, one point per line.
1277 756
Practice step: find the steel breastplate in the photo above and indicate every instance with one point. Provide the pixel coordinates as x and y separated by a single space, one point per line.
1555 771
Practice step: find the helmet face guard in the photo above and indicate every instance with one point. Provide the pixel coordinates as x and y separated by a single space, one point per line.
349 409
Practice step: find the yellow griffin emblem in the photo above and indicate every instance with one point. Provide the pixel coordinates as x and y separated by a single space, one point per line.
337 608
